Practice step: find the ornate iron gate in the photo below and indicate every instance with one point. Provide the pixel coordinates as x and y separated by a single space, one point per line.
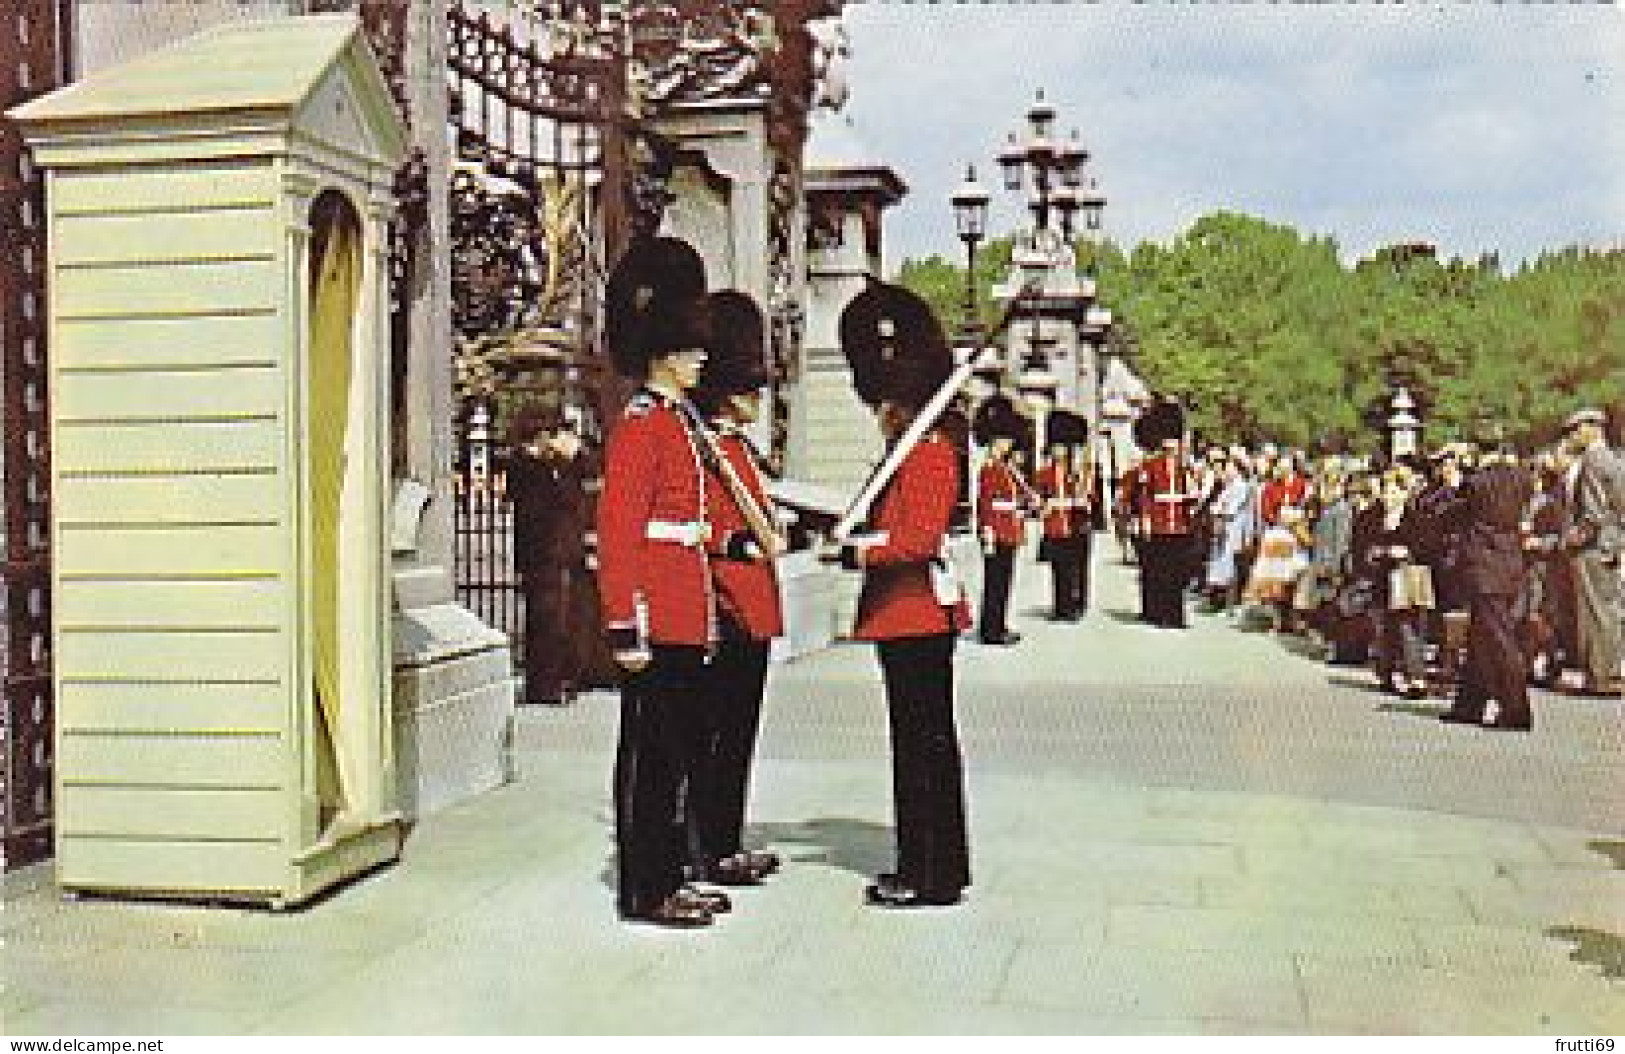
33 60
537 213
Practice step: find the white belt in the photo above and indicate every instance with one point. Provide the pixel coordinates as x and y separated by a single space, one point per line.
1003 506
1171 497
691 534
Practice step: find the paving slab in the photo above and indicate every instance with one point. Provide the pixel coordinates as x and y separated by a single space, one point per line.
1188 834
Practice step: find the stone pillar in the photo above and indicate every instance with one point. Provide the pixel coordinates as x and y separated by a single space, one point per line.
454 680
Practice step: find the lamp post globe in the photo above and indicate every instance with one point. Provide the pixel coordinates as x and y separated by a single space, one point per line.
970 200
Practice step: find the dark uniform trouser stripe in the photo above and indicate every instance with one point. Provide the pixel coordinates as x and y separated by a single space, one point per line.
660 718
997 570
1164 569
928 784
720 782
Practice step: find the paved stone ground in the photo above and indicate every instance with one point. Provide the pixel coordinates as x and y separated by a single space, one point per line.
1197 833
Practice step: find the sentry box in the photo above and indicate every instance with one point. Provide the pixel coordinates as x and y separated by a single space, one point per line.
219 409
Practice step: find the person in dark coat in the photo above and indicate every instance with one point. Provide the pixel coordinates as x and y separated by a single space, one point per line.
547 486
1488 510
1385 552
1546 614
1438 542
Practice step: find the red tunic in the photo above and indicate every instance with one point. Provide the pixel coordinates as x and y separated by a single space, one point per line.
1279 493
998 504
1162 495
913 513
747 589
652 525
1066 501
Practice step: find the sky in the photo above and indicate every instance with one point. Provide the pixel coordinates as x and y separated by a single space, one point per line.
1479 127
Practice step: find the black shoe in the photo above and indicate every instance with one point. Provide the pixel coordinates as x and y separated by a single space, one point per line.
765 861
737 870
1510 726
884 895
675 912
1457 717
711 901
1004 638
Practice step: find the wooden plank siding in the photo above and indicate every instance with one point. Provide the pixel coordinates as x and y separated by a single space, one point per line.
231 814
159 342
196 186
181 762
174 707
227 867
174 448
174 604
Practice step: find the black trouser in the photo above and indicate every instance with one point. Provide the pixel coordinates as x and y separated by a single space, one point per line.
1068 563
1085 546
662 713
1164 568
928 782
1494 667
720 780
998 568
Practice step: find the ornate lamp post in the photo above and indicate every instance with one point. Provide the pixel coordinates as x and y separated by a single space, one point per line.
1055 170
970 201
1058 195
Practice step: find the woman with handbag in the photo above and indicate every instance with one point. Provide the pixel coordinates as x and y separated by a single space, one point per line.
1387 543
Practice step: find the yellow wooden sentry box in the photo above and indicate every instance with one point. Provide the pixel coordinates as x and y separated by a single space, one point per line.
219 405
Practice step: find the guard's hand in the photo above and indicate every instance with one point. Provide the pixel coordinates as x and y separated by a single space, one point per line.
844 555
742 547
633 660
631 654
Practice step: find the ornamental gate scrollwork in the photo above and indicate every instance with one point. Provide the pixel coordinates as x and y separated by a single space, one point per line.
541 189
34 39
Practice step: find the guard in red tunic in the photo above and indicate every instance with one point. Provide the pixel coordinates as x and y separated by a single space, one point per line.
654 578
910 605
1002 498
745 539
1160 493
1066 494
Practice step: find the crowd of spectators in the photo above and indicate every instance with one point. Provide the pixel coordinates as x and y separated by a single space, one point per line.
1378 563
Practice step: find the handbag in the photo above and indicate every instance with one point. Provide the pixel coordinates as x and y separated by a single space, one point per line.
1410 586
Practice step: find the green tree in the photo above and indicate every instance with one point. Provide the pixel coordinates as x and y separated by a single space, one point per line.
1273 337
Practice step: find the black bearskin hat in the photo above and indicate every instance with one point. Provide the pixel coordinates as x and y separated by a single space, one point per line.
895 346
1066 428
998 418
1161 421
734 361
654 303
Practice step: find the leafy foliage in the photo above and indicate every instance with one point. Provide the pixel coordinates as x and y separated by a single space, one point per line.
1268 335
